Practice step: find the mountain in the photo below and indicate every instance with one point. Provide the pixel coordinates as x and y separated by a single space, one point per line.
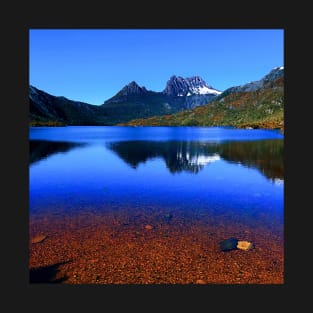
46 109
258 104
181 87
127 92
190 91
131 102
179 94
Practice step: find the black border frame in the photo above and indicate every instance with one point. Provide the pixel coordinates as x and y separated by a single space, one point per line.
18 291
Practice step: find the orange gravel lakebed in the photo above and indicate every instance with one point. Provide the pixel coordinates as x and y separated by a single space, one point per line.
154 245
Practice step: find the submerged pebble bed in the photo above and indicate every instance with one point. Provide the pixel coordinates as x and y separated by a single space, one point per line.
153 246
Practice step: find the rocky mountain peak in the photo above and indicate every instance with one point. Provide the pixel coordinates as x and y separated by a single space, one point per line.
132 89
275 73
178 86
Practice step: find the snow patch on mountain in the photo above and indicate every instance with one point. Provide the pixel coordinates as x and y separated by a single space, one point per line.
203 90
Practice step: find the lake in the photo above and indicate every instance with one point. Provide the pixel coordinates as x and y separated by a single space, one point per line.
150 205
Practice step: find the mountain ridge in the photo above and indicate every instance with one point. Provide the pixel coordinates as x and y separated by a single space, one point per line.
258 104
274 74
135 102
179 93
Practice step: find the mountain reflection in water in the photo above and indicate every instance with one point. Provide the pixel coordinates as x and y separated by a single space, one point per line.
179 156
42 149
192 156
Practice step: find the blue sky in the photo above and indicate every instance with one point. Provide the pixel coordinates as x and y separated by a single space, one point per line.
92 65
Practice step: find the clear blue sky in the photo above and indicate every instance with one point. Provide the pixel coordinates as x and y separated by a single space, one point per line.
92 65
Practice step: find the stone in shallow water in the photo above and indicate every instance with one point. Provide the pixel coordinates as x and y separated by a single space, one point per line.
229 244
244 245
38 239
168 216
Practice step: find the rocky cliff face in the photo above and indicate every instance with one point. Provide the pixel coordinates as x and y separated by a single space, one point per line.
184 87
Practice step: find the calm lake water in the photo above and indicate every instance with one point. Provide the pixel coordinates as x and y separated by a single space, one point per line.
92 190
180 166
